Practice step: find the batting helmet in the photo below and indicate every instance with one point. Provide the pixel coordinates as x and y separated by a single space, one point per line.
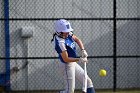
62 25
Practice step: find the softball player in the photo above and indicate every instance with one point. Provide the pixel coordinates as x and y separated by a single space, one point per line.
66 49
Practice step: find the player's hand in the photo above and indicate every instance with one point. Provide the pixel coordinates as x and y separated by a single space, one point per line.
82 60
84 53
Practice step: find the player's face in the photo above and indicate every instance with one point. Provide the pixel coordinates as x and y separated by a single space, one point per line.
65 34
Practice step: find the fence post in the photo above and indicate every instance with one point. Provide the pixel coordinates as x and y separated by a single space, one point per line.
7 44
114 48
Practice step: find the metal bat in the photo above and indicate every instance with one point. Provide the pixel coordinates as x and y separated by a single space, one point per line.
85 78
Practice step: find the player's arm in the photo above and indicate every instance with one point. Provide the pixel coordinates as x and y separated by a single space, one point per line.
80 44
65 57
78 41
64 54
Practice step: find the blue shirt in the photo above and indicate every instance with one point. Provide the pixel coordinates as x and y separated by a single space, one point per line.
67 44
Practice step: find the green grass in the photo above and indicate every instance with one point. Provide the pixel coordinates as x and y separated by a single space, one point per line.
119 92
79 91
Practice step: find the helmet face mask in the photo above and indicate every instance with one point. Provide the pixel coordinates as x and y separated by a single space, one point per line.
62 25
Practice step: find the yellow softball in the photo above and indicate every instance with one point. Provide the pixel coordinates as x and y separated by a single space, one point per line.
102 73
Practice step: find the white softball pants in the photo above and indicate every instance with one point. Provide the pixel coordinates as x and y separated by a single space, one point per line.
70 71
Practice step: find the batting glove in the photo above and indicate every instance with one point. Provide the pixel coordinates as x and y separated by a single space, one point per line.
82 60
84 53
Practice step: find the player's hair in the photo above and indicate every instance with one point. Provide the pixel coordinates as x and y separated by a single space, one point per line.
59 34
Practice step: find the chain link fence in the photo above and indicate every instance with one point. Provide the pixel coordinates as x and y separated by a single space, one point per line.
111 42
